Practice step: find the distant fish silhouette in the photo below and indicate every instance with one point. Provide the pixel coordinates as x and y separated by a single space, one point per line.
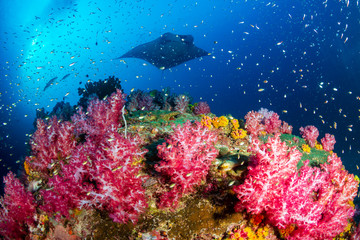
169 50
51 81
65 76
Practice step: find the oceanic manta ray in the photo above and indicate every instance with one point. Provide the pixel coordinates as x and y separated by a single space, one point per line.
169 50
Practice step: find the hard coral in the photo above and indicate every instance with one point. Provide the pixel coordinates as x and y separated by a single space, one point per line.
186 158
17 210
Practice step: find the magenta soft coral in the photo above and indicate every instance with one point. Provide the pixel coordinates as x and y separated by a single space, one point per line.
201 108
271 164
53 140
17 210
328 142
317 200
265 121
103 172
310 134
101 115
186 158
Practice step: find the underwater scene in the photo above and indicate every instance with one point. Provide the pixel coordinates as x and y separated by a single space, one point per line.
149 120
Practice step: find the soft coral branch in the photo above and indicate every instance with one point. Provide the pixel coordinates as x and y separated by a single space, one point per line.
318 201
17 210
186 158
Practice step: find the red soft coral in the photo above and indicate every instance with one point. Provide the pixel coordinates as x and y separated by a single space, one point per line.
328 142
101 175
265 121
52 141
318 201
201 108
310 134
101 115
272 124
119 184
271 165
186 158
254 124
17 209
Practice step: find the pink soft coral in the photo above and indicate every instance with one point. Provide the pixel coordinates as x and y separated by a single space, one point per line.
316 200
265 122
254 124
101 116
201 108
101 171
52 141
186 158
271 165
328 142
310 134
17 210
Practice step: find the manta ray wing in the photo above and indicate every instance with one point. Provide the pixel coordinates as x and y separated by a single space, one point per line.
167 51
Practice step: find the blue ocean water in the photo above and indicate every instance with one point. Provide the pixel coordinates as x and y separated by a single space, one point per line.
298 58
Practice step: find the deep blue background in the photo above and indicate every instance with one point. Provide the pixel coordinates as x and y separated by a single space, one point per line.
296 50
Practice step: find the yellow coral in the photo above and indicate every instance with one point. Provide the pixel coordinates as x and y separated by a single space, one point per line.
235 124
318 146
239 133
262 233
220 121
356 178
206 122
287 231
306 148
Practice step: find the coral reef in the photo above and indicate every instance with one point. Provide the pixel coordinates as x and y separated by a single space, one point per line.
153 173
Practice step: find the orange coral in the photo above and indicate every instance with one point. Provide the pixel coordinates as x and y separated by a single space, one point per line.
238 133
206 122
220 121
235 124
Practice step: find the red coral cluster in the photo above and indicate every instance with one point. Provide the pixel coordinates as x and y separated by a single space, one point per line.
317 200
310 134
17 210
201 108
186 158
328 142
103 171
265 121
53 140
